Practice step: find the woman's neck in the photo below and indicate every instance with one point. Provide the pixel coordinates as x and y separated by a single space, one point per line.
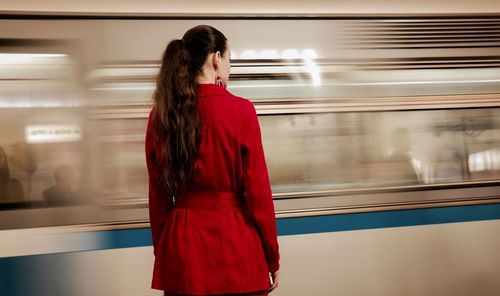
207 74
206 79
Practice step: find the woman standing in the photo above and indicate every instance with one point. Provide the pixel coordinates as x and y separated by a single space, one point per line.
210 203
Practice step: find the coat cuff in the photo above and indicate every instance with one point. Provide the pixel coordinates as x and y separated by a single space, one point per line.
272 267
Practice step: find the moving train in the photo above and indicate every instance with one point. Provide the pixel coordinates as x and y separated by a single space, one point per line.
381 133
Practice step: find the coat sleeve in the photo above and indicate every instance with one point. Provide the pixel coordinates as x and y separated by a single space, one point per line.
159 204
258 195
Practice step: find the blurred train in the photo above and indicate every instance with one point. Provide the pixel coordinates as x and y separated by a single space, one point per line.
381 133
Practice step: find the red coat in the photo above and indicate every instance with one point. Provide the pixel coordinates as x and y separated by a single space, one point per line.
220 236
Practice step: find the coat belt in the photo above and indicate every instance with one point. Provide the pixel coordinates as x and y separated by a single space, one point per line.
208 200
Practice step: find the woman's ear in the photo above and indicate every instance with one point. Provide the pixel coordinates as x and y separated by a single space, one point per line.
216 60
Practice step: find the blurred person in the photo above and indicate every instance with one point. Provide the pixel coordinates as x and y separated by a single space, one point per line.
448 166
11 190
23 158
401 160
210 202
61 193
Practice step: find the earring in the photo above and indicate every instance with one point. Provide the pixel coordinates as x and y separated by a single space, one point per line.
219 81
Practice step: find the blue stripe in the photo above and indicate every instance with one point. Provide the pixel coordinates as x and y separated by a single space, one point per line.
141 237
128 238
343 222
373 220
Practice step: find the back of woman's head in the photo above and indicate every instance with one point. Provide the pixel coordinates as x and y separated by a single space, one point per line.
175 117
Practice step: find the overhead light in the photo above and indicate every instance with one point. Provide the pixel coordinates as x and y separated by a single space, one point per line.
249 55
25 58
269 54
290 54
309 54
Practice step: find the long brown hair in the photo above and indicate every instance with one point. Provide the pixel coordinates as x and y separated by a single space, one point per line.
175 117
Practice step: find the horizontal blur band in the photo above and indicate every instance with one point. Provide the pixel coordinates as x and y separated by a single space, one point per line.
141 237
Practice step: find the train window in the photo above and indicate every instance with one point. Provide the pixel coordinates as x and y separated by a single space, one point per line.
481 132
41 144
314 152
322 151
40 157
119 174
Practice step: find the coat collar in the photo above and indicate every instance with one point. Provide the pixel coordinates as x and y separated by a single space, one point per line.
210 90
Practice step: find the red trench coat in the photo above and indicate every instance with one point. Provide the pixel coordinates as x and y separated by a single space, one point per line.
220 235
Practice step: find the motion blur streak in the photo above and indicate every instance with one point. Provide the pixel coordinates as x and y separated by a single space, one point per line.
381 134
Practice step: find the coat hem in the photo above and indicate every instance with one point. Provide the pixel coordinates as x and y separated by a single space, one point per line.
255 291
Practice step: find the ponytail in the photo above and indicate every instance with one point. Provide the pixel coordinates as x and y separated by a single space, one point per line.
175 117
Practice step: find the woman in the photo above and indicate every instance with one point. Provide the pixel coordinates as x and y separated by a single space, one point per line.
210 204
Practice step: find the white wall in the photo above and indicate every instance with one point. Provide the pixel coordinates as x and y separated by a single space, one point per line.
457 259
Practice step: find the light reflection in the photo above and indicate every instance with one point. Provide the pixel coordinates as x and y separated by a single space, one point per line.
119 87
309 54
308 57
26 58
270 54
249 55
38 80
485 160
290 54
53 133
314 71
